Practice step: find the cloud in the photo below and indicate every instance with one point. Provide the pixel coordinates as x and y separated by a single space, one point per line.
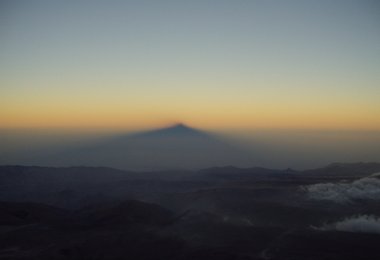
366 188
377 174
357 224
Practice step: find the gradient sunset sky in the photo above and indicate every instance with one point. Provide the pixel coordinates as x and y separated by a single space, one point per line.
211 64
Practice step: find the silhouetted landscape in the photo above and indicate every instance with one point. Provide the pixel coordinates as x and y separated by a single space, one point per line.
189 130
214 213
180 207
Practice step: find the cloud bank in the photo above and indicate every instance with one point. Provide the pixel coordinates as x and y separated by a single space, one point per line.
357 224
367 188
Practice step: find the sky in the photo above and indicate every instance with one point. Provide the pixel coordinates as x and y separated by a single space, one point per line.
211 64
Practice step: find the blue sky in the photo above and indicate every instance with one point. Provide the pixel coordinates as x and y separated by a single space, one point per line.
248 64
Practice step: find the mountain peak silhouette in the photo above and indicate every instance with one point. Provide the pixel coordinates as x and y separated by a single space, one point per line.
180 126
176 146
178 130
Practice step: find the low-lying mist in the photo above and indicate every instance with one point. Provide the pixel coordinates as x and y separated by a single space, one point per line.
356 224
367 188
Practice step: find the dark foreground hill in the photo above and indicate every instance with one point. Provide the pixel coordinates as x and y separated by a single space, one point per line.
216 213
138 230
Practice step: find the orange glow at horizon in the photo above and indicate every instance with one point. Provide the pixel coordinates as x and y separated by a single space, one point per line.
134 65
202 116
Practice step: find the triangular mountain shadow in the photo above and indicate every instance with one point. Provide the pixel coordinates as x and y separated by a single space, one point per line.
175 147
175 130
